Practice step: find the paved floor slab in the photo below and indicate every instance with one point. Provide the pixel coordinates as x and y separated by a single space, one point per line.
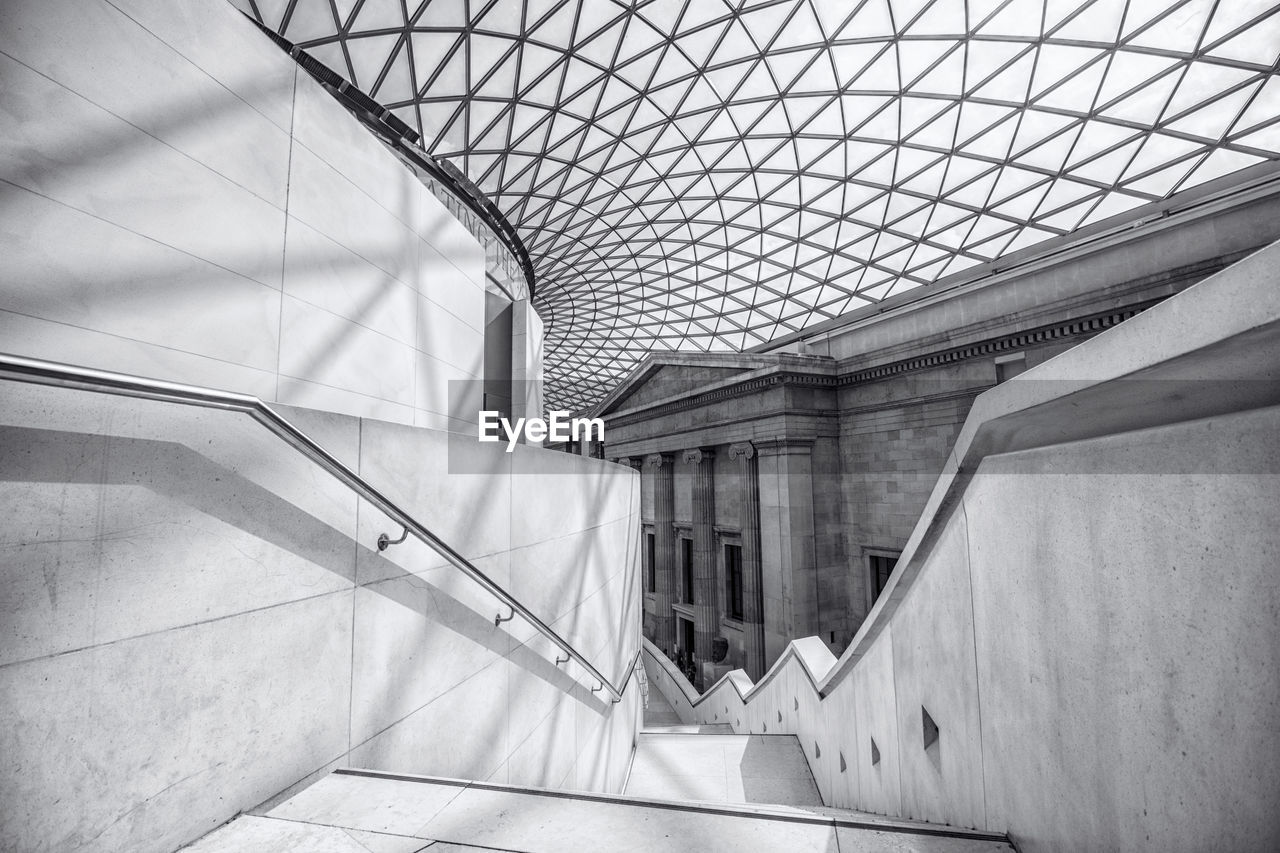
366 802
722 768
250 834
390 814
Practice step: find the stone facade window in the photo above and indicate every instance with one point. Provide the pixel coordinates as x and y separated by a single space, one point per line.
686 570
880 567
650 564
733 581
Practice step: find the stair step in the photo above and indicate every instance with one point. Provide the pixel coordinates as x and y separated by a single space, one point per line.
355 811
658 711
682 729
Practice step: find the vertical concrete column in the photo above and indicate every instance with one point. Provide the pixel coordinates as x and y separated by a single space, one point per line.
752 582
526 361
660 467
788 566
706 616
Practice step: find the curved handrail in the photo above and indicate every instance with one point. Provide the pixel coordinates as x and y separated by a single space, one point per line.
52 373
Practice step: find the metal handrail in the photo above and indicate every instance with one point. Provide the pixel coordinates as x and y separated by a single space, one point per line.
40 372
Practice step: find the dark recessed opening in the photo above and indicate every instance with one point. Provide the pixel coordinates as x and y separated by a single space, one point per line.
817 750
929 728
843 766
650 564
796 703
733 580
875 753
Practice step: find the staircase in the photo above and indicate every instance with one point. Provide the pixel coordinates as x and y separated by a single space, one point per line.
691 788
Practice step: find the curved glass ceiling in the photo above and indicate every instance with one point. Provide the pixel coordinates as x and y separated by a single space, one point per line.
713 174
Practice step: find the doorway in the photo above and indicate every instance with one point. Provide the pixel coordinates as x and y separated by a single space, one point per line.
685 636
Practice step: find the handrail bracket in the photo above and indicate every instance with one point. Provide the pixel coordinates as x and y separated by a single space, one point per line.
385 541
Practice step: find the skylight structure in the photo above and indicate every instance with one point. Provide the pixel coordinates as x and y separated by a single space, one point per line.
714 174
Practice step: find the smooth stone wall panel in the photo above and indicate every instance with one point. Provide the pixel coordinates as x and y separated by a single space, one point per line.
165 303
331 350
147 743
935 670
167 172
328 275
257 72
1185 760
195 619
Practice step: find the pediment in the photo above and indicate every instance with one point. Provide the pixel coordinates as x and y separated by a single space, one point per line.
659 380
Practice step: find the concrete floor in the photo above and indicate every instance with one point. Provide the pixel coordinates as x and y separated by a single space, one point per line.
344 813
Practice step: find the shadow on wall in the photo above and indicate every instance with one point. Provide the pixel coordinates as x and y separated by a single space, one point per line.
216 491
371 283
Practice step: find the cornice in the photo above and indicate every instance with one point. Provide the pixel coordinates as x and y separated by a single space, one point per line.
750 365
1016 341
728 392
793 378
1240 190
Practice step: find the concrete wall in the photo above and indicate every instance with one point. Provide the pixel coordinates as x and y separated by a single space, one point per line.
1086 609
193 618
177 200
1098 650
526 360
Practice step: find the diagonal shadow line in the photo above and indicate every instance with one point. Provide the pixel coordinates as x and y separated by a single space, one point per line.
220 492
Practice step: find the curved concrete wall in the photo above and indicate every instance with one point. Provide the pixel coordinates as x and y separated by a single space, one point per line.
178 200
1086 612
194 619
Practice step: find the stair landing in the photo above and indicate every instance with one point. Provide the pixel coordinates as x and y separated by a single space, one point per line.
365 812
722 768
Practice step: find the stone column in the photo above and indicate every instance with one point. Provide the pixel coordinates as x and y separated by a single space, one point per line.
752 582
706 615
787 561
660 468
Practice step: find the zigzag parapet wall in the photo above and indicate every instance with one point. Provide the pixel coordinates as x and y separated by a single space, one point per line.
1079 645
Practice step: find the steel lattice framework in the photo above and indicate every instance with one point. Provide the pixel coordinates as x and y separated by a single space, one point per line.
713 174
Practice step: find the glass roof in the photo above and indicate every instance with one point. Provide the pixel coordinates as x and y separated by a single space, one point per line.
713 174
